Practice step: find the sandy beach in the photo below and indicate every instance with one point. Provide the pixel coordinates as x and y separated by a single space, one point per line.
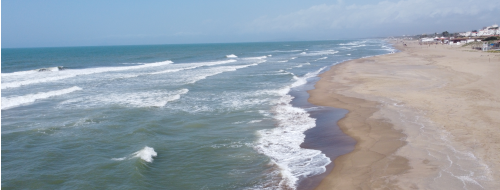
427 117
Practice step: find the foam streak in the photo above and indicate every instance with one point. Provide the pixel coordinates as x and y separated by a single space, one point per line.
282 144
29 78
16 101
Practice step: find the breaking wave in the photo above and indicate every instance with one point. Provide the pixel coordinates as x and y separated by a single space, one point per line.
188 67
16 101
282 144
146 154
321 58
27 78
325 52
217 70
248 58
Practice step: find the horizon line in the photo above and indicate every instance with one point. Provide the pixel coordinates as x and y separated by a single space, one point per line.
188 43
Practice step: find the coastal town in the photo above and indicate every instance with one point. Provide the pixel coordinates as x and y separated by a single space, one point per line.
485 39
486 31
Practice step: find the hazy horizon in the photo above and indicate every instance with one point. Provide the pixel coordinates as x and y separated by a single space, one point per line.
95 23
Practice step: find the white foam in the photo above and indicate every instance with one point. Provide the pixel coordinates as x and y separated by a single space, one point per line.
282 144
28 78
16 101
146 154
362 45
217 70
231 145
231 56
324 52
157 98
170 71
389 49
19 73
193 66
260 57
303 80
226 101
321 58
254 121
301 65
357 43
34 81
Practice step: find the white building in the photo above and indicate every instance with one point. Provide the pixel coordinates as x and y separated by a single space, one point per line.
486 31
427 39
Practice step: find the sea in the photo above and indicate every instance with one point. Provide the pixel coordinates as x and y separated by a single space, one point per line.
185 116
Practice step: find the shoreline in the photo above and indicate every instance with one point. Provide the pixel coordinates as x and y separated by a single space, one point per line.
399 114
326 136
370 136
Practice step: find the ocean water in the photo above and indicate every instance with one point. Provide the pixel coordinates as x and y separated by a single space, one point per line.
198 116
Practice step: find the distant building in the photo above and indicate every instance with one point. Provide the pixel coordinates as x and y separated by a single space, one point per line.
427 39
486 31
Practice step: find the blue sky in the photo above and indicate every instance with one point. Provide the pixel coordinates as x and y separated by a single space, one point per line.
51 23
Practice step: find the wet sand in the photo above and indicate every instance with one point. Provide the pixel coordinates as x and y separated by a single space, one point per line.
326 136
427 117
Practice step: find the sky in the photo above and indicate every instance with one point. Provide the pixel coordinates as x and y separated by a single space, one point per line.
55 23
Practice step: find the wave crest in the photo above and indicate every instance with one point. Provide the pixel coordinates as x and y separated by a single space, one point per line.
146 154
23 78
16 101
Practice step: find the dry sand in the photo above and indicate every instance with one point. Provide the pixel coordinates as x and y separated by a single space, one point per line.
427 117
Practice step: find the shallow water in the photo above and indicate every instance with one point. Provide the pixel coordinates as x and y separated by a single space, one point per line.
201 116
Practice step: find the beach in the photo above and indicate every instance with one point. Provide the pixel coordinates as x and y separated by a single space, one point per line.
423 118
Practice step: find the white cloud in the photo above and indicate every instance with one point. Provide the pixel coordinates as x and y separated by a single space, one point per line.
342 15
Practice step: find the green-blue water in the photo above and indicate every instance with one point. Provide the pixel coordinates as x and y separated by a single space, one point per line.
201 116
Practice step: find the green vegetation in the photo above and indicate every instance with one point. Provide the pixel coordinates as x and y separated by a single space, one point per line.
490 38
445 34
473 44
